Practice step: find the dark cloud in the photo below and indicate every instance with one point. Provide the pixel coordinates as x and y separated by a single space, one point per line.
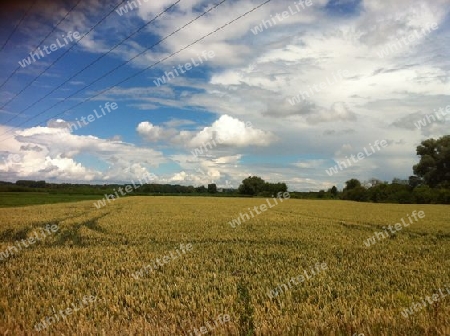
30 148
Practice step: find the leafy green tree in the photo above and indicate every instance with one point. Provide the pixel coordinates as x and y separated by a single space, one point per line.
252 185
414 181
201 189
357 193
434 164
424 195
374 182
378 193
31 184
274 188
334 191
212 188
352 184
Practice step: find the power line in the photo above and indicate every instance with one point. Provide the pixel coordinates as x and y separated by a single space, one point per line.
18 24
94 61
152 65
61 56
121 65
51 32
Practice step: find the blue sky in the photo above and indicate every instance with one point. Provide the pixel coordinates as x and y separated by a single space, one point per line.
240 96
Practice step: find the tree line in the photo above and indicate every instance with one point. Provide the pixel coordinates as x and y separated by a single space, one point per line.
429 184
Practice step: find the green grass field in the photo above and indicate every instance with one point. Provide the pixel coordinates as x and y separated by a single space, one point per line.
364 290
14 199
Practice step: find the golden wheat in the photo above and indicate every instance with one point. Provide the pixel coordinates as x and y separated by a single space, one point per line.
228 271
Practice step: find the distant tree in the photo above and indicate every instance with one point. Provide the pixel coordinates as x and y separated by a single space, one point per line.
321 194
434 164
252 185
373 182
274 188
397 180
378 193
357 193
334 191
423 194
352 184
201 189
31 183
212 188
414 181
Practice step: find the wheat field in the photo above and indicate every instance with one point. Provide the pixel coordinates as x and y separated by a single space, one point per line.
175 266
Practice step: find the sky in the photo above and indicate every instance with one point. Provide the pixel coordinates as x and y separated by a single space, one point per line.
197 92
